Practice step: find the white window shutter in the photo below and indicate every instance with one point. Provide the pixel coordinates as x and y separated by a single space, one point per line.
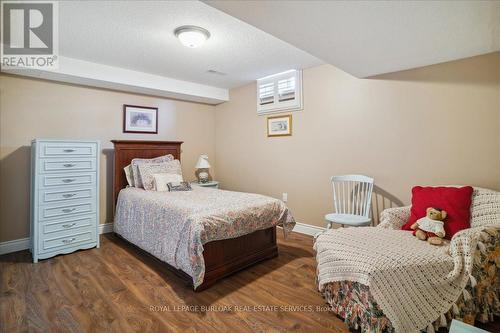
286 89
280 92
266 93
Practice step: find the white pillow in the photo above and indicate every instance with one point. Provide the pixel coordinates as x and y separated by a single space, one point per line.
138 161
128 175
147 170
162 179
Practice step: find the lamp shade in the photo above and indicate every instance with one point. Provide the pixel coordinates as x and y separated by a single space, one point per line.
202 162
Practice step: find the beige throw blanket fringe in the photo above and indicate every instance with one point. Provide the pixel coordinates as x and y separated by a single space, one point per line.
412 281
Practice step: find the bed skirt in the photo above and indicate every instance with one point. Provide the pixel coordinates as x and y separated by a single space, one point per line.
353 301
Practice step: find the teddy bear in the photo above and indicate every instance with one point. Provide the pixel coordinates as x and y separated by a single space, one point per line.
431 226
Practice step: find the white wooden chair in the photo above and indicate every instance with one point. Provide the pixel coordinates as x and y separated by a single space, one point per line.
352 197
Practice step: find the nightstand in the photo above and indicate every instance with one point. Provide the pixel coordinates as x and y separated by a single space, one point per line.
210 184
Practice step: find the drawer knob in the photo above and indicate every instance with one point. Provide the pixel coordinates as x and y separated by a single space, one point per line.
69 225
68 210
68 195
68 165
69 150
66 241
68 180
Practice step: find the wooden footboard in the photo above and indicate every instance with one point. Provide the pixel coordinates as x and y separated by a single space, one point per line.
228 256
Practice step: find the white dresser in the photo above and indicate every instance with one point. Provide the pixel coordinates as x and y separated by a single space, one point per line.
64 196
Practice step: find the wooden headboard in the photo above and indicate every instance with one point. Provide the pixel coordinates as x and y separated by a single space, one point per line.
126 150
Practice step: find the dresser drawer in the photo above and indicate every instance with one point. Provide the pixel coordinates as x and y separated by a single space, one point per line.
67 224
65 194
63 165
61 149
68 209
59 241
50 181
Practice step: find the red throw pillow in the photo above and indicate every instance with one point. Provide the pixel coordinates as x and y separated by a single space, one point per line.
455 201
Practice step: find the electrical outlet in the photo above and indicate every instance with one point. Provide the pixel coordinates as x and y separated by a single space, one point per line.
285 197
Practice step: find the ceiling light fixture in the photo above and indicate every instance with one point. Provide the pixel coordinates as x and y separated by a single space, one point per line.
191 36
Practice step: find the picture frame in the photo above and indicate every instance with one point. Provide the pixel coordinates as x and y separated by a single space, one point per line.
279 126
140 119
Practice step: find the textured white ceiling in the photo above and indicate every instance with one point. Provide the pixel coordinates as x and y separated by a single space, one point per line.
366 38
138 35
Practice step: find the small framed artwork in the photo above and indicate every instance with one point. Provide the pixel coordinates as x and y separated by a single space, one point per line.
279 125
140 119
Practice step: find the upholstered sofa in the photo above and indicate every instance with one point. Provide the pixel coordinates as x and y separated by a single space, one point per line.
353 301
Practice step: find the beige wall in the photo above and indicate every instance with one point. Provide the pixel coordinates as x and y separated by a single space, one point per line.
41 109
434 125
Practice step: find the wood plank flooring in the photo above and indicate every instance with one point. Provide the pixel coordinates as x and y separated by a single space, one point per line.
117 289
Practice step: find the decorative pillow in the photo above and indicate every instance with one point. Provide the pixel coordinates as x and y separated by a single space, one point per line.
455 201
138 161
161 180
147 170
128 175
182 186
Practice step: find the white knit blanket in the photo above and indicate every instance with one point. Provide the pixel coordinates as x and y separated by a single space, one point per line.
413 282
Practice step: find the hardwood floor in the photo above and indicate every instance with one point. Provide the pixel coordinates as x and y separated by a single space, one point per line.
117 289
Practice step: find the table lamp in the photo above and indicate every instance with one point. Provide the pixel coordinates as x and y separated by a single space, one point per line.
202 166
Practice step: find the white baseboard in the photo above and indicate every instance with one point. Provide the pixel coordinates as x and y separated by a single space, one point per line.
24 243
307 229
105 228
14 245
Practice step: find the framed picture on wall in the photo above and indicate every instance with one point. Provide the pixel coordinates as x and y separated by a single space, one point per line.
140 119
279 125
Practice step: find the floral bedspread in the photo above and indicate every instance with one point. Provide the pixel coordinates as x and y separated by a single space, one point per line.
354 302
173 226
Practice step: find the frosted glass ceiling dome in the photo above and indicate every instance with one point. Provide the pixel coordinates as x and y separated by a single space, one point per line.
192 36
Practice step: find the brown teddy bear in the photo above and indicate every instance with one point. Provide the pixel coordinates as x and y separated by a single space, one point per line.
431 227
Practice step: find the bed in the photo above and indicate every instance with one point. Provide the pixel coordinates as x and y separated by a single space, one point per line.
202 235
356 301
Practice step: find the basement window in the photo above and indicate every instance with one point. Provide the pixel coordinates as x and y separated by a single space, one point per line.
279 92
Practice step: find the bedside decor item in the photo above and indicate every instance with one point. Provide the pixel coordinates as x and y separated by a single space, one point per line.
140 119
209 184
182 186
279 125
202 167
64 196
